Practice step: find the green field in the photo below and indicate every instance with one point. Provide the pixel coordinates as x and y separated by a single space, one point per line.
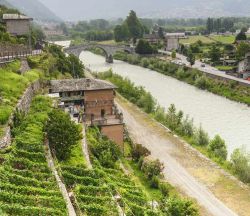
208 40
224 39
193 39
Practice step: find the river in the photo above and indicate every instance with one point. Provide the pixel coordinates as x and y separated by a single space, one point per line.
217 115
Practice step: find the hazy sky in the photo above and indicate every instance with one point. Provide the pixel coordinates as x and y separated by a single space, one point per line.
92 9
87 9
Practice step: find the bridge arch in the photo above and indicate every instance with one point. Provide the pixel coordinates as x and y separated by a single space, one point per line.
109 50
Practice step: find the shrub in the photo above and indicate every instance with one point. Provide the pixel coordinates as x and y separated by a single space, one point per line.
164 188
152 168
180 207
218 147
241 164
139 151
201 137
202 82
154 183
106 151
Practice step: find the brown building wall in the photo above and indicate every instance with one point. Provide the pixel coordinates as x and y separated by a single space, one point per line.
114 133
18 27
96 101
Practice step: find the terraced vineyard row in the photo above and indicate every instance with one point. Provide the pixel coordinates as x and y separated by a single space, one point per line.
95 189
27 185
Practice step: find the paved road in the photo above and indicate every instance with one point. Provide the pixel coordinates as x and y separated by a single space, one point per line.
163 149
181 59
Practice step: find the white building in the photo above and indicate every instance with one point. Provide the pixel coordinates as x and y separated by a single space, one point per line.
172 40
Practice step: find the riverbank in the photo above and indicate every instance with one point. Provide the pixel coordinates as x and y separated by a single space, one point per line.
172 150
229 89
183 126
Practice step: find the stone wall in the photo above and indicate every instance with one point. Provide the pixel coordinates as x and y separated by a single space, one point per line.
23 105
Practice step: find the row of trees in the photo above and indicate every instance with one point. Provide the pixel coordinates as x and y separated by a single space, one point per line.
219 25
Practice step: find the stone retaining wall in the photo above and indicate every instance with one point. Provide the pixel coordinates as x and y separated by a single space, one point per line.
23 105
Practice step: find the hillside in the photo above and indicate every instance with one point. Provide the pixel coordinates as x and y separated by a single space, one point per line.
33 8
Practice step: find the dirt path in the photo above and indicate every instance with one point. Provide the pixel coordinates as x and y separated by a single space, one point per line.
193 174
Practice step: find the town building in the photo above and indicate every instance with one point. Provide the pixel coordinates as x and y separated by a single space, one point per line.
244 67
52 32
92 101
153 39
172 40
17 24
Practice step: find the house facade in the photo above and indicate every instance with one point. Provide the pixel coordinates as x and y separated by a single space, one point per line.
93 102
17 24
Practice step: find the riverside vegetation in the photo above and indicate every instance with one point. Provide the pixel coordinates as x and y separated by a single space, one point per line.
176 121
231 90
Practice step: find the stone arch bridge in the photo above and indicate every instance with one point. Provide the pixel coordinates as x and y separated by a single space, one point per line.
109 50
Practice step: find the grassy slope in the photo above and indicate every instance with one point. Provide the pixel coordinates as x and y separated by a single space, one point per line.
12 87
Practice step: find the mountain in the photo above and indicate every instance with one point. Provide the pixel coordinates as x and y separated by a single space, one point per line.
32 8
85 9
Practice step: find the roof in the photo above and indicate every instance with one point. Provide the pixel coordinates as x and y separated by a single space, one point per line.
151 36
15 17
175 35
85 84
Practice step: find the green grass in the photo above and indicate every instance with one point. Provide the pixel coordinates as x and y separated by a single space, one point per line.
224 39
193 39
225 68
12 87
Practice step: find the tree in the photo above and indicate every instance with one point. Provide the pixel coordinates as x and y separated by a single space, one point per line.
210 25
241 36
201 137
242 49
218 147
76 66
241 164
62 133
134 26
139 151
214 54
173 54
161 33
143 47
152 168
121 33
191 58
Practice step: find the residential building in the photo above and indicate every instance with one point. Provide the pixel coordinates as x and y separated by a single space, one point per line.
244 67
92 100
17 24
153 39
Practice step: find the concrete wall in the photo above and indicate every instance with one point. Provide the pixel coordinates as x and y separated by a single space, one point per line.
23 105
96 101
18 27
114 133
